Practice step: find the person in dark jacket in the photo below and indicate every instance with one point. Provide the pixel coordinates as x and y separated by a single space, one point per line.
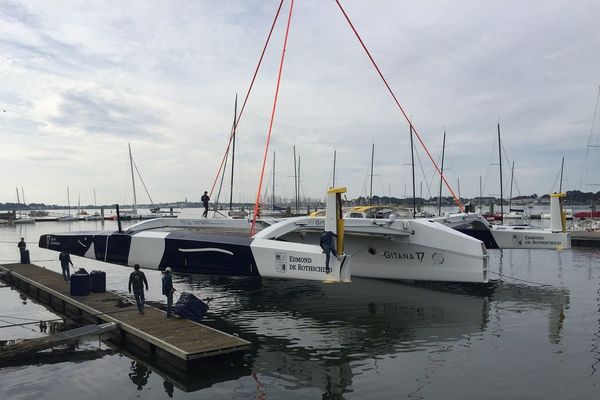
205 199
65 260
328 246
22 245
168 289
137 280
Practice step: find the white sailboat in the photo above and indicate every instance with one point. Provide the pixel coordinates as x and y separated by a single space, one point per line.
96 215
22 219
69 217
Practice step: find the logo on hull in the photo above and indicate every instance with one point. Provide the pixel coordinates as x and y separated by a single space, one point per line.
281 262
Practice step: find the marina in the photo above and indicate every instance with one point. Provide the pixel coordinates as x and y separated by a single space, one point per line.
347 340
175 341
340 200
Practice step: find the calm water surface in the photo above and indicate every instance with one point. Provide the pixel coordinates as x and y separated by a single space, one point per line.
534 334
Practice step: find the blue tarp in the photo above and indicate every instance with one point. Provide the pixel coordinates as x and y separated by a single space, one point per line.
190 307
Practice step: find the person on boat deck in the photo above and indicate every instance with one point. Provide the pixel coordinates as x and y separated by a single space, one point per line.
328 246
168 289
65 260
137 279
205 199
22 245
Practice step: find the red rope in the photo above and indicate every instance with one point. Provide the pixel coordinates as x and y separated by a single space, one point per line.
233 127
460 206
262 172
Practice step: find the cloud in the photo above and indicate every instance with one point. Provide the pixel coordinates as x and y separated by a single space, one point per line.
81 80
93 114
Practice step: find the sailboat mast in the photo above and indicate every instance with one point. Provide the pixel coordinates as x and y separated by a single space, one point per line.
132 180
512 179
95 202
233 154
442 175
23 196
333 181
371 186
18 200
480 196
562 165
68 201
273 189
299 195
295 180
412 163
500 163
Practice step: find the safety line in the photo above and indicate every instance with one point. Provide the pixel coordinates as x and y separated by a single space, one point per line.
517 279
460 206
262 172
246 98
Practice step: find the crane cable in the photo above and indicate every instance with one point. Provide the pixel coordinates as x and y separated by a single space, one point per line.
262 172
246 98
458 203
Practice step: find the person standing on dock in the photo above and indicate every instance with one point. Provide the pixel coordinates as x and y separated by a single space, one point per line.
168 289
137 279
65 260
22 245
205 199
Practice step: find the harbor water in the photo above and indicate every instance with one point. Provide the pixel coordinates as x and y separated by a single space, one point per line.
532 333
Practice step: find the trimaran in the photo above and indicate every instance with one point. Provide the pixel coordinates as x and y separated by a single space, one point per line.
382 248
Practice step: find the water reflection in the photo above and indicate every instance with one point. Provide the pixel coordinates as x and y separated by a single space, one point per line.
139 374
314 335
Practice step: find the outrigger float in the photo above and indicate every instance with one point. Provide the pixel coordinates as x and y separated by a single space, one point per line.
195 252
515 236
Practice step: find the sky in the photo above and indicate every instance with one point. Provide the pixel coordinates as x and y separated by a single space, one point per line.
83 79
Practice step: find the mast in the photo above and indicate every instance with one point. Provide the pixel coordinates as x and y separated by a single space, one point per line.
500 159
480 196
299 195
334 156
273 189
512 178
95 202
371 186
68 201
562 165
132 180
233 153
420 195
442 175
295 180
412 158
18 200
458 187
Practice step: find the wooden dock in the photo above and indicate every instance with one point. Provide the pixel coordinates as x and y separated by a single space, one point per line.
585 239
180 342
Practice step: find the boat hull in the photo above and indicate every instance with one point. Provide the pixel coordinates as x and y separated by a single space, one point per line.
196 253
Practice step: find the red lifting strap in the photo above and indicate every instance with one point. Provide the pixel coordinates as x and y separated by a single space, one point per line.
262 172
246 98
456 199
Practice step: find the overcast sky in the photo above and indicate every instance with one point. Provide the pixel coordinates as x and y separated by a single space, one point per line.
81 80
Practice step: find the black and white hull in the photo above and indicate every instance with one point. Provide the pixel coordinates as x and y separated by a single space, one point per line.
198 253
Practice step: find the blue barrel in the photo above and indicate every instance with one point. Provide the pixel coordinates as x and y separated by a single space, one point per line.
98 281
80 284
25 257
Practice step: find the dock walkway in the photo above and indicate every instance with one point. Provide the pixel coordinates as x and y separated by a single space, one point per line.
178 341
